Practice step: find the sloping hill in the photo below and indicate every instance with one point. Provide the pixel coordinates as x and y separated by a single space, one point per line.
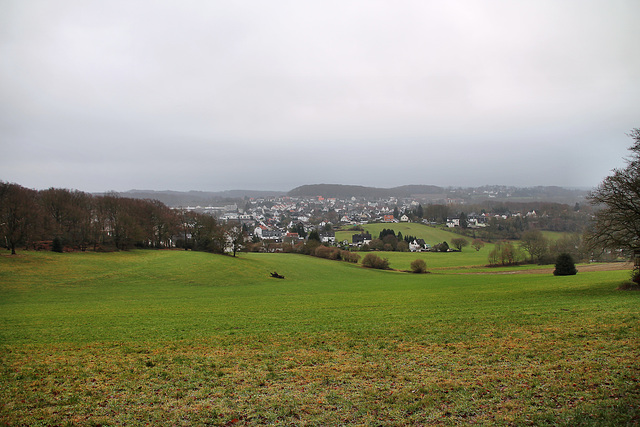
347 191
184 337
341 191
193 198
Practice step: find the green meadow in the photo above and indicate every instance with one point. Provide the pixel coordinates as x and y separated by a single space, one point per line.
191 338
431 235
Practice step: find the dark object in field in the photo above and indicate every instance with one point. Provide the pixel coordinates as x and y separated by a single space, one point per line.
276 275
565 266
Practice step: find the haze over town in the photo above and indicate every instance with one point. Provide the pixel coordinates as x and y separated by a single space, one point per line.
214 96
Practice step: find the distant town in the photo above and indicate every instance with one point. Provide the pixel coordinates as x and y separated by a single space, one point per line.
335 215
489 212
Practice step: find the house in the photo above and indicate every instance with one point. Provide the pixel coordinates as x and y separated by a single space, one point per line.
417 245
328 237
388 218
258 231
476 221
230 216
275 235
361 239
404 218
453 222
292 236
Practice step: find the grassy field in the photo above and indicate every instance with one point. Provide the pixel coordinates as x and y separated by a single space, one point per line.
431 235
469 258
188 338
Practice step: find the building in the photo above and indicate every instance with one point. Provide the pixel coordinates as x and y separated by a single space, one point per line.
328 237
275 235
418 245
361 239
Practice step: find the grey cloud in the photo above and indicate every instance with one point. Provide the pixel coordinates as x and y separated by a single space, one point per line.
215 95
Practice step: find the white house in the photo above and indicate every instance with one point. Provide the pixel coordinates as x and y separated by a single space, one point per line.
258 231
404 218
417 245
328 237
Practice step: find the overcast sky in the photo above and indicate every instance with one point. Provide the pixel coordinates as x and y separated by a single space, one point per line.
218 95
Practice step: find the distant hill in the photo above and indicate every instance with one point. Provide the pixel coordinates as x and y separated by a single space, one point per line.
424 193
437 194
195 198
419 189
539 193
341 191
347 191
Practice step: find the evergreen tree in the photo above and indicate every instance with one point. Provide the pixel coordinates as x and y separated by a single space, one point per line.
463 220
299 228
386 232
565 265
442 247
314 235
56 246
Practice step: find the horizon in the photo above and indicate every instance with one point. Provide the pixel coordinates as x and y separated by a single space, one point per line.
230 190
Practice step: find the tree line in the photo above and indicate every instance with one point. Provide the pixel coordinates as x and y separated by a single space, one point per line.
74 220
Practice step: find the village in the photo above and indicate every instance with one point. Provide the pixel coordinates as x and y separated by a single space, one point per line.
288 219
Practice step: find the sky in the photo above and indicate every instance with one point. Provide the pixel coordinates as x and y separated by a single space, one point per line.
269 95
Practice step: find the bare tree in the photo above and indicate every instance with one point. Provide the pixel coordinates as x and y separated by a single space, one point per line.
477 244
18 214
535 244
459 243
66 214
236 237
617 224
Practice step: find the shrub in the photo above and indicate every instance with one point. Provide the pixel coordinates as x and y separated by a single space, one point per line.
314 235
504 253
376 245
419 266
441 247
565 266
322 252
335 254
309 247
374 261
350 256
477 244
56 246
